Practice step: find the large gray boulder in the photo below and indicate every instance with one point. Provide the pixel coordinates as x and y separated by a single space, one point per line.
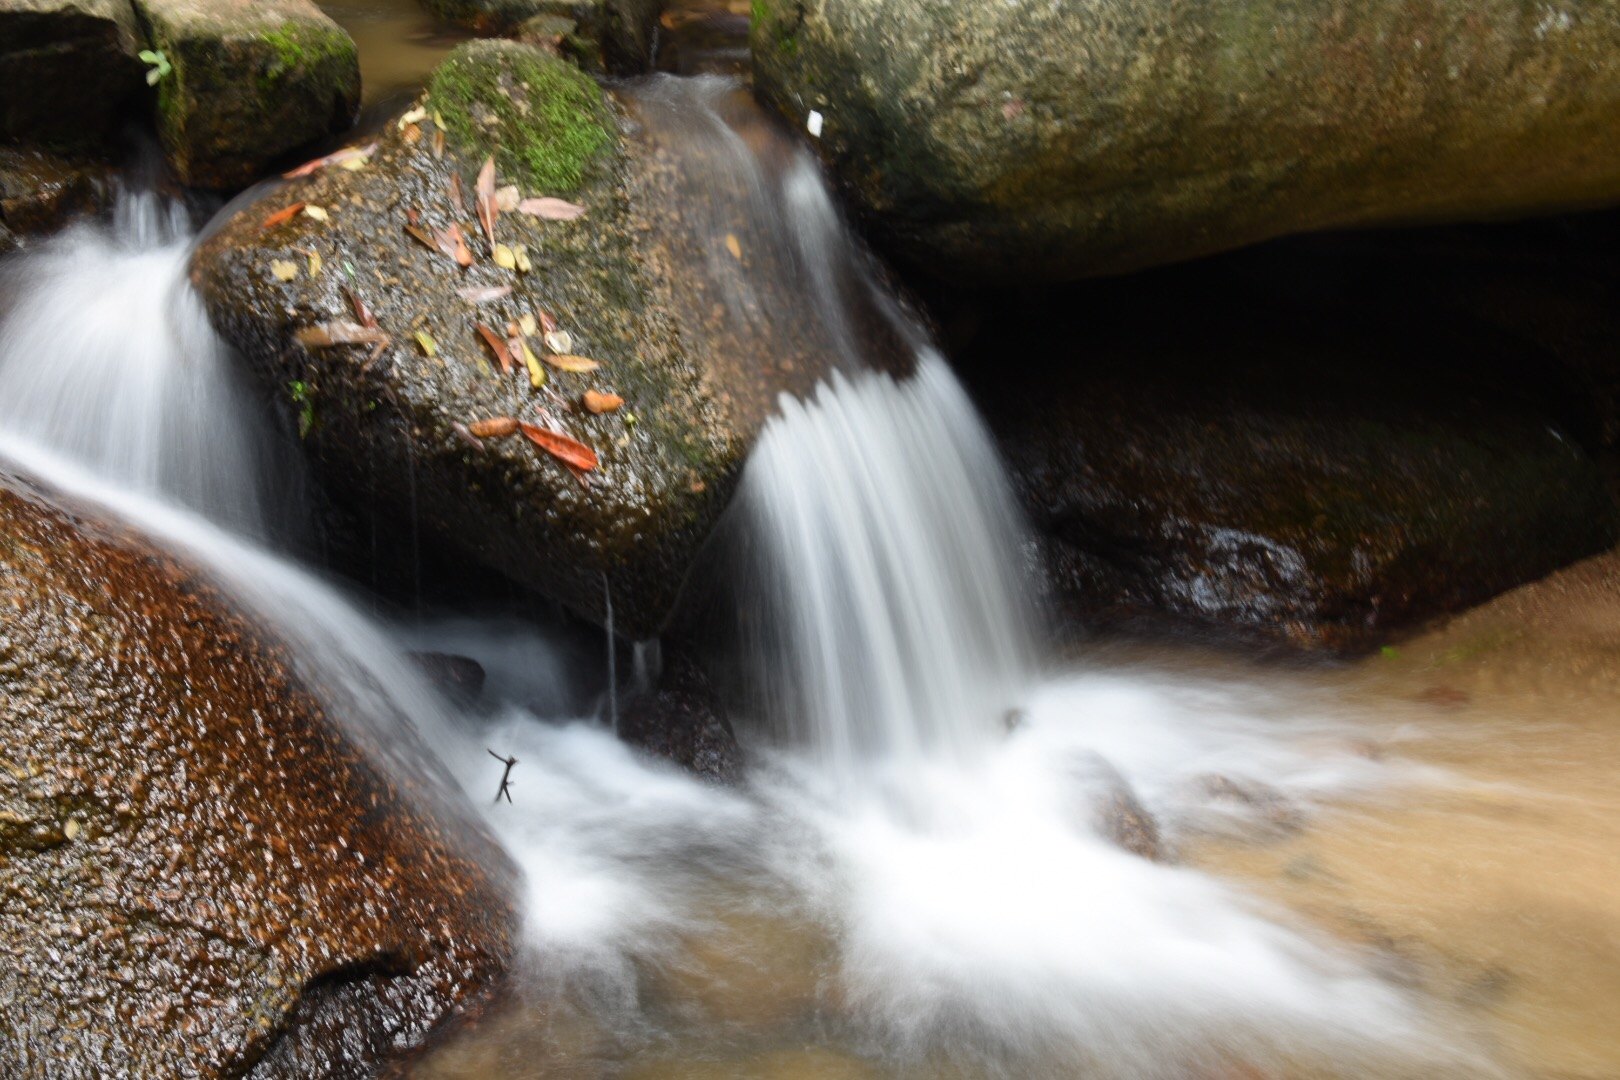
1022 139
68 69
201 873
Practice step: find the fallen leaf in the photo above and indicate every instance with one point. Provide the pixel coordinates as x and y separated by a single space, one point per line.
339 332
497 427
340 157
601 403
414 116
282 216
483 294
458 198
527 324
453 244
570 452
548 324
521 253
422 237
412 134
558 341
315 264
537 374
503 355
429 346
438 142
354 164
438 120
71 829
283 269
734 246
487 210
361 312
576 364
505 257
507 198
317 212
551 209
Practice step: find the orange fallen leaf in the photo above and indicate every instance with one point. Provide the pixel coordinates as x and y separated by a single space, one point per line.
339 332
361 312
422 237
571 452
503 355
551 209
496 427
348 153
487 210
576 364
282 216
438 142
599 403
453 244
547 323
734 246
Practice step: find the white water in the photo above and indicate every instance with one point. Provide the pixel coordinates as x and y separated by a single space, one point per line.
975 909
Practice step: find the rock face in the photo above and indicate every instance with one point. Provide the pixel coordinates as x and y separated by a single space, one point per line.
1020 140
68 71
40 191
199 875
619 34
389 433
1309 477
251 81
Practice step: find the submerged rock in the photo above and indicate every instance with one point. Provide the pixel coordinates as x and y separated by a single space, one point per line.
618 34
390 430
200 874
252 80
68 69
1019 141
682 720
1270 467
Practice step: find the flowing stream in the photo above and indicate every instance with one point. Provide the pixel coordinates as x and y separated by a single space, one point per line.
928 872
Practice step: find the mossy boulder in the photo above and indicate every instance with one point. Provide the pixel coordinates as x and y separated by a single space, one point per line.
201 874
251 81
389 433
620 34
68 69
994 140
1276 465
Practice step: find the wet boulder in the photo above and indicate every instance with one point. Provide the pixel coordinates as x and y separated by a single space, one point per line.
201 874
68 69
40 191
1271 467
616 501
995 140
619 35
248 81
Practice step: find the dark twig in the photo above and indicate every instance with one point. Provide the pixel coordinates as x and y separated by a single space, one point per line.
506 777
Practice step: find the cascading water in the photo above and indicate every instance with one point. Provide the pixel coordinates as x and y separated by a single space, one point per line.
959 902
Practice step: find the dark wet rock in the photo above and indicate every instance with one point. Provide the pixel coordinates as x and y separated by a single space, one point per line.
1265 809
617 34
1263 464
388 434
1058 140
68 69
200 874
1124 820
460 677
41 191
682 720
252 81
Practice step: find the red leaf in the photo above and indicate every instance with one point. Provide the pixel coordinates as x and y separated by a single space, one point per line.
571 452
361 312
282 216
319 163
496 346
487 210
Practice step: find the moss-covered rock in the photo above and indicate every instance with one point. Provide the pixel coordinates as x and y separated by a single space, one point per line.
1056 140
68 69
1277 464
201 875
622 33
388 432
251 80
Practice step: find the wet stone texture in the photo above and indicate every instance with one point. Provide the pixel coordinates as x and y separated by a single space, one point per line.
199 877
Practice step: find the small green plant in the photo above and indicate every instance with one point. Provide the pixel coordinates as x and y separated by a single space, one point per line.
304 398
158 65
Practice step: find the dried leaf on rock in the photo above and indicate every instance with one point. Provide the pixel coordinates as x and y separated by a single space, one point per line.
497 427
412 134
571 452
453 244
339 332
483 294
527 325
315 263
438 142
282 216
503 355
734 246
361 312
558 341
487 210
429 346
283 269
599 403
551 209
537 374
520 252
548 324
341 157
414 116
576 364
505 257
507 198
317 212
458 197
421 237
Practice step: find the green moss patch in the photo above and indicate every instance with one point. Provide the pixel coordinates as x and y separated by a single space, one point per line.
545 120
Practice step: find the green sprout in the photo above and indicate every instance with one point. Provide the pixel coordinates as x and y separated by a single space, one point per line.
302 397
158 63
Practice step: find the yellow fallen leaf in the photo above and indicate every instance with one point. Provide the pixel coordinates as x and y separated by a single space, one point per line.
354 164
734 246
315 264
429 346
507 198
537 374
559 341
71 829
505 257
317 212
576 364
284 269
527 324
521 252
438 121
599 403
415 116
